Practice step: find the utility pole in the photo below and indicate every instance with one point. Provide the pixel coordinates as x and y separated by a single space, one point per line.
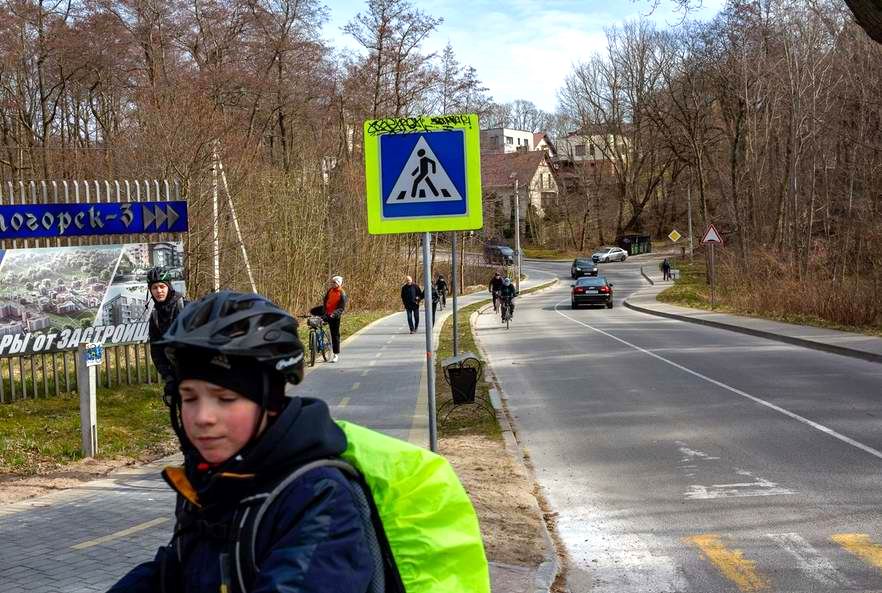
215 232
517 231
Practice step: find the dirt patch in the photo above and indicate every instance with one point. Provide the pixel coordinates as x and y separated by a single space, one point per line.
14 488
501 491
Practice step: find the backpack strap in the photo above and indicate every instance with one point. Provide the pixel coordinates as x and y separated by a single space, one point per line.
385 571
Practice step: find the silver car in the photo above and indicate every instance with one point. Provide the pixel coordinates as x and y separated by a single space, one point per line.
608 254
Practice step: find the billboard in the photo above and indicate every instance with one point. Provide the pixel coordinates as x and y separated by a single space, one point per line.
55 298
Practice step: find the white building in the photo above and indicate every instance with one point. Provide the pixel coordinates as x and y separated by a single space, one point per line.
505 140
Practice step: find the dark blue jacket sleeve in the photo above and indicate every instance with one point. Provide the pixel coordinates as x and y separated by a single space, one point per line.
145 578
312 540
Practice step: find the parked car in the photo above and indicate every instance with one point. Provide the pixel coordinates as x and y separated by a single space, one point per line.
499 254
608 254
582 266
592 291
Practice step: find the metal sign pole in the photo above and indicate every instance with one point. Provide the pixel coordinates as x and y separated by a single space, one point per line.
713 277
88 407
689 201
430 357
453 289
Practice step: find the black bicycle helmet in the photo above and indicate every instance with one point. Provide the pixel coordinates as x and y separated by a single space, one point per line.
238 325
158 274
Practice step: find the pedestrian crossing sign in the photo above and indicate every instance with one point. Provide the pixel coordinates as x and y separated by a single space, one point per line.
423 174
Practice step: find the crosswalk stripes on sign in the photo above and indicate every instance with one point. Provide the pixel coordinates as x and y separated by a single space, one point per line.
423 179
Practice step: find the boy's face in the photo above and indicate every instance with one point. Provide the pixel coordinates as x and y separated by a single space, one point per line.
218 421
159 291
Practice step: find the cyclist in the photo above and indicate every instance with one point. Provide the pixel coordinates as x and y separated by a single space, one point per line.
507 294
241 432
494 288
441 287
167 305
331 309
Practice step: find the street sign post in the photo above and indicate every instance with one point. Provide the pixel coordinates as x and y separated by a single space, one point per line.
423 175
90 356
711 238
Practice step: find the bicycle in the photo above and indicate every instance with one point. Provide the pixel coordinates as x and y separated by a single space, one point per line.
505 309
319 341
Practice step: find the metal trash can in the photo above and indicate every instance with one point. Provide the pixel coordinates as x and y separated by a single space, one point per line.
461 373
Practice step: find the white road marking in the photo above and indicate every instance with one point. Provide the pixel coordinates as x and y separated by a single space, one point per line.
379 354
758 487
820 427
810 561
365 372
372 363
355 386
343 402
691 454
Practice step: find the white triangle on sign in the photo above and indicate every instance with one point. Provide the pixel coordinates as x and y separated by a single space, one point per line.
423 179
711 235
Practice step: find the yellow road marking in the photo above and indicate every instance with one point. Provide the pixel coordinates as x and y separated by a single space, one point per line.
860 545
731 563
365 372
355 386
119 534
343 402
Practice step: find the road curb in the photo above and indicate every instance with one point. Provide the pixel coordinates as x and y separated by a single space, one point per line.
642 273
811 344
548 569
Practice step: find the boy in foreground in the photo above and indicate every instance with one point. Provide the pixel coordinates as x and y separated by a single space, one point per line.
241 434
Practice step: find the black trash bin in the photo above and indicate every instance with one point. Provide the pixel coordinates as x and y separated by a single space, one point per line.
463 381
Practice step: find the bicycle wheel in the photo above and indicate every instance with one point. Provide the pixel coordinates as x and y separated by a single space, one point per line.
312 347
326 346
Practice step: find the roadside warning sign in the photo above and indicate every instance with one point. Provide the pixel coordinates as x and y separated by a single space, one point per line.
711 235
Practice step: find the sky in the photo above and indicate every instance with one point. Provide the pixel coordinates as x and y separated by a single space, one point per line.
521 49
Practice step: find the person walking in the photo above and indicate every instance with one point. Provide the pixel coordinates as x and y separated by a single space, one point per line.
666 270
331 310
167 305
441 286
411 295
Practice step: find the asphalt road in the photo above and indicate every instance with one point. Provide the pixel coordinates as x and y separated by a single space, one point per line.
685 458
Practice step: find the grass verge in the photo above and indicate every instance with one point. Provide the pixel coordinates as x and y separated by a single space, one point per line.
40 435
541 253
469 419
692 290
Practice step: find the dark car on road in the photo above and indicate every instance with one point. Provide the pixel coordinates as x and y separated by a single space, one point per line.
583 267
592 290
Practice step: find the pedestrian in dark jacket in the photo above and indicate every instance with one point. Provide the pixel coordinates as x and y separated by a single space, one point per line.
436 297
331 310
441 286
167 304
411 295
242 435
666 269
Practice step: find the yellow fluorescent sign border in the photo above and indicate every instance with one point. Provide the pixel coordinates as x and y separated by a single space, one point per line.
473 219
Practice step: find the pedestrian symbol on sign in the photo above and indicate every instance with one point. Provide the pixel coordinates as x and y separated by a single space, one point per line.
423 179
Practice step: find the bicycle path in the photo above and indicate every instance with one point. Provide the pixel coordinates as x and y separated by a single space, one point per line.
83 539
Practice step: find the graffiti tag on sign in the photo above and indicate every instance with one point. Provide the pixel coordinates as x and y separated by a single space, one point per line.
409 125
